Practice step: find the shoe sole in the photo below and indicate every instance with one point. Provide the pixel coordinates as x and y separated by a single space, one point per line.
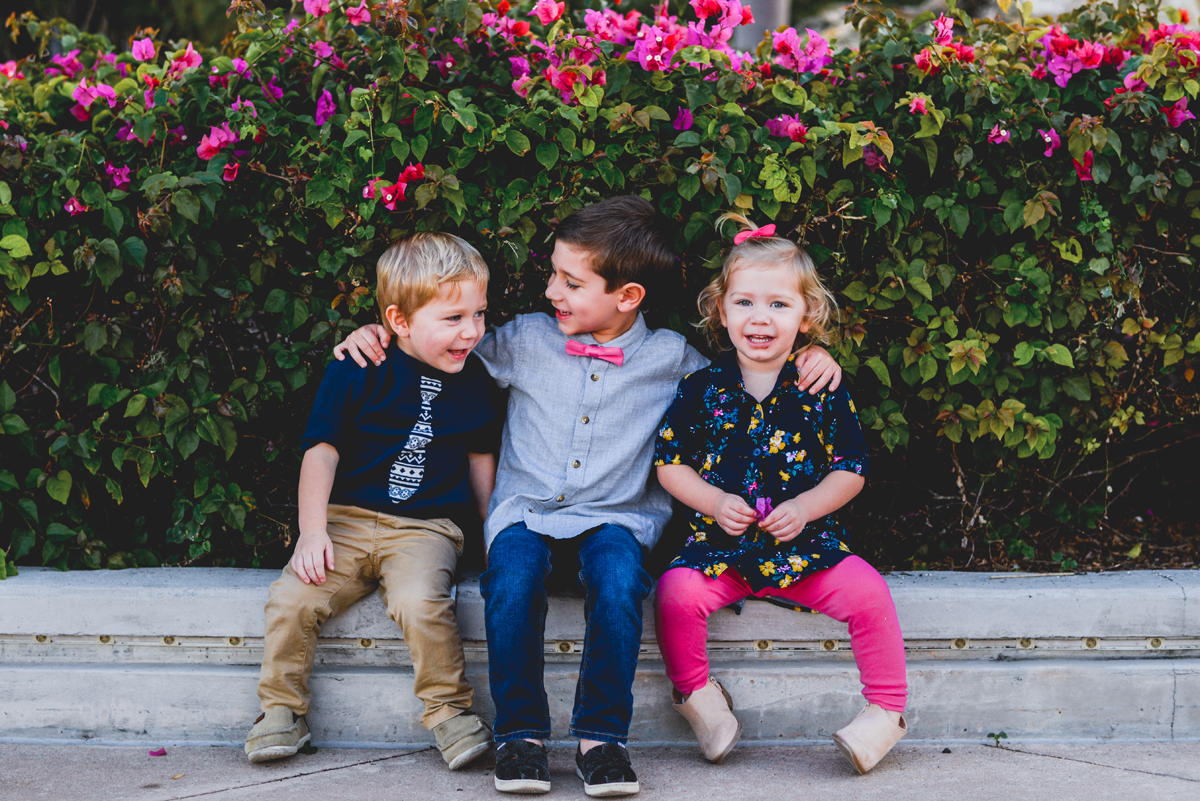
737 736
277 751
523 786
611 788
468 756
849 754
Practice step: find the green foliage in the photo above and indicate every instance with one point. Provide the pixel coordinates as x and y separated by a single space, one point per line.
159 350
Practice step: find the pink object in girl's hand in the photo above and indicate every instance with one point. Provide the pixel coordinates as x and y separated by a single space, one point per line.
763 507
159 752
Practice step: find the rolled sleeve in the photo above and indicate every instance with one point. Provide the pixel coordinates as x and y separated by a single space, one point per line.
335 405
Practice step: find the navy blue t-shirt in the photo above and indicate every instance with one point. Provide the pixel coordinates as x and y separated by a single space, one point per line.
402 431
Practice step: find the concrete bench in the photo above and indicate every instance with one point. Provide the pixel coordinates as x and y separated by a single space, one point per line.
171 655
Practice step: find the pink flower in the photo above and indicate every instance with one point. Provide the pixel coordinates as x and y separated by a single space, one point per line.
270 91
212 142
873 157
708 8
925 63
240 66
326 108
9 70
1177 114
322 49
1039 72
1135 84
548 11
413 172
143 49
999 135
1051 139
391 195
360 15
519 65
789 126
683 120
86 95
149 97
812 56
189 59
75 207
369 191
240 104
230 171
917 104
1084 169
80 112
563 80
71 66
120 175
521 85
318 8
443 63
944 28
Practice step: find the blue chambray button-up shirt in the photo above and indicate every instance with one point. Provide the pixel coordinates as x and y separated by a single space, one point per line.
579 438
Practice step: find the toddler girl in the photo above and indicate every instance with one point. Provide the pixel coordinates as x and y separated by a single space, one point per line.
766 466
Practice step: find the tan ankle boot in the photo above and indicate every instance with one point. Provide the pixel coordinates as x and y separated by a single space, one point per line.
869 736
710 711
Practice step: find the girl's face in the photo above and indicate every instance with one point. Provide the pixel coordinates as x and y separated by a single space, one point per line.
763 311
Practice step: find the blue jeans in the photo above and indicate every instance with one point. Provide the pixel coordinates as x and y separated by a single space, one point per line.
610 574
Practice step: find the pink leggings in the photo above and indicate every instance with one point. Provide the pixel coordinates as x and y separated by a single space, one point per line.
851 591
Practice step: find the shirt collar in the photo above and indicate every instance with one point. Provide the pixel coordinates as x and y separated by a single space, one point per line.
727 361
628 342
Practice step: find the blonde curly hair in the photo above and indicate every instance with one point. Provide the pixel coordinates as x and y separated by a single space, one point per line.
820 308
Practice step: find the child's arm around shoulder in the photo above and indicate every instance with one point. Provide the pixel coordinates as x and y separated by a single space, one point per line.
481 474
816 369
314 548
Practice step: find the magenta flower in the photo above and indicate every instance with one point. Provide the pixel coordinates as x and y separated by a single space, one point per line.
520 66
9 70
1084 168
75 207
917 104
240 104
370 190
763 508
318 8
359 15
683 120
86 95
326 108
212 142
1052 141
322 49
80 112
230 171
120 175
944 28
548 11
71 66
787 125
240 66
189 59
1177 114
998 135
270 91
143 49
873 157
1133 83
521 85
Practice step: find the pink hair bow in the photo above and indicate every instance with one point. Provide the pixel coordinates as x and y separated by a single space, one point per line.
766 230
614 355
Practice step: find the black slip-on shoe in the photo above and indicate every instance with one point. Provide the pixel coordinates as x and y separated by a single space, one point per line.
606 771
522 767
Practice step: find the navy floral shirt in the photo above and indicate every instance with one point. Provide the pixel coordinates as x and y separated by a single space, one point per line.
767 453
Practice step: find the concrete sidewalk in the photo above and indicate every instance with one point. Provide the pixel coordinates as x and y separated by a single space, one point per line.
1050 772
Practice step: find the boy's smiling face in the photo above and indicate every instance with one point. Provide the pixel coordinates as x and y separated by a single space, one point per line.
444 331
582 304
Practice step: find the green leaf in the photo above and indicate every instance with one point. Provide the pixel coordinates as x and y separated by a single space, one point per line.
547 154
59 486
187 205
7 481
1078 387
880 369
1059 355
95 336
17 246
8 398
317 191
857 291
517 142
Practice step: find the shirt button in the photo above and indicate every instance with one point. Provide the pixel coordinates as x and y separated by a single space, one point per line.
595 377
586 421
561 498
531 510
575 463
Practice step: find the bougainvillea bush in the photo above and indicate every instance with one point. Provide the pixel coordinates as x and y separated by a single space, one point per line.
1005 210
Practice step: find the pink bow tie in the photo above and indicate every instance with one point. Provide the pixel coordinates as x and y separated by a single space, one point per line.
767 230
614 355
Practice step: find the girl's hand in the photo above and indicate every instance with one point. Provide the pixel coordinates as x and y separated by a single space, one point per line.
786 521
733 514
368 342
816 369
314 553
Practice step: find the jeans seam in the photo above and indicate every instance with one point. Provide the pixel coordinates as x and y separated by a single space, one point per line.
603 737
541 734
584 661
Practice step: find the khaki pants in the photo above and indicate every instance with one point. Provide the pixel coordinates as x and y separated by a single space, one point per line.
412 562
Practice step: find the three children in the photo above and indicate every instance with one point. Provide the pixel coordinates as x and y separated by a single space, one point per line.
574 502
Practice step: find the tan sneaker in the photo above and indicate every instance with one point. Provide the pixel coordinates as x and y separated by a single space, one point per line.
462 739
866 739
710 711
277 733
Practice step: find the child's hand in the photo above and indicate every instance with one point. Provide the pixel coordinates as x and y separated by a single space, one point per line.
733 514
815 368
314 553
786 521
368 342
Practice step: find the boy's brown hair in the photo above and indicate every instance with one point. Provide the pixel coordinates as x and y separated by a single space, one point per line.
627 238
